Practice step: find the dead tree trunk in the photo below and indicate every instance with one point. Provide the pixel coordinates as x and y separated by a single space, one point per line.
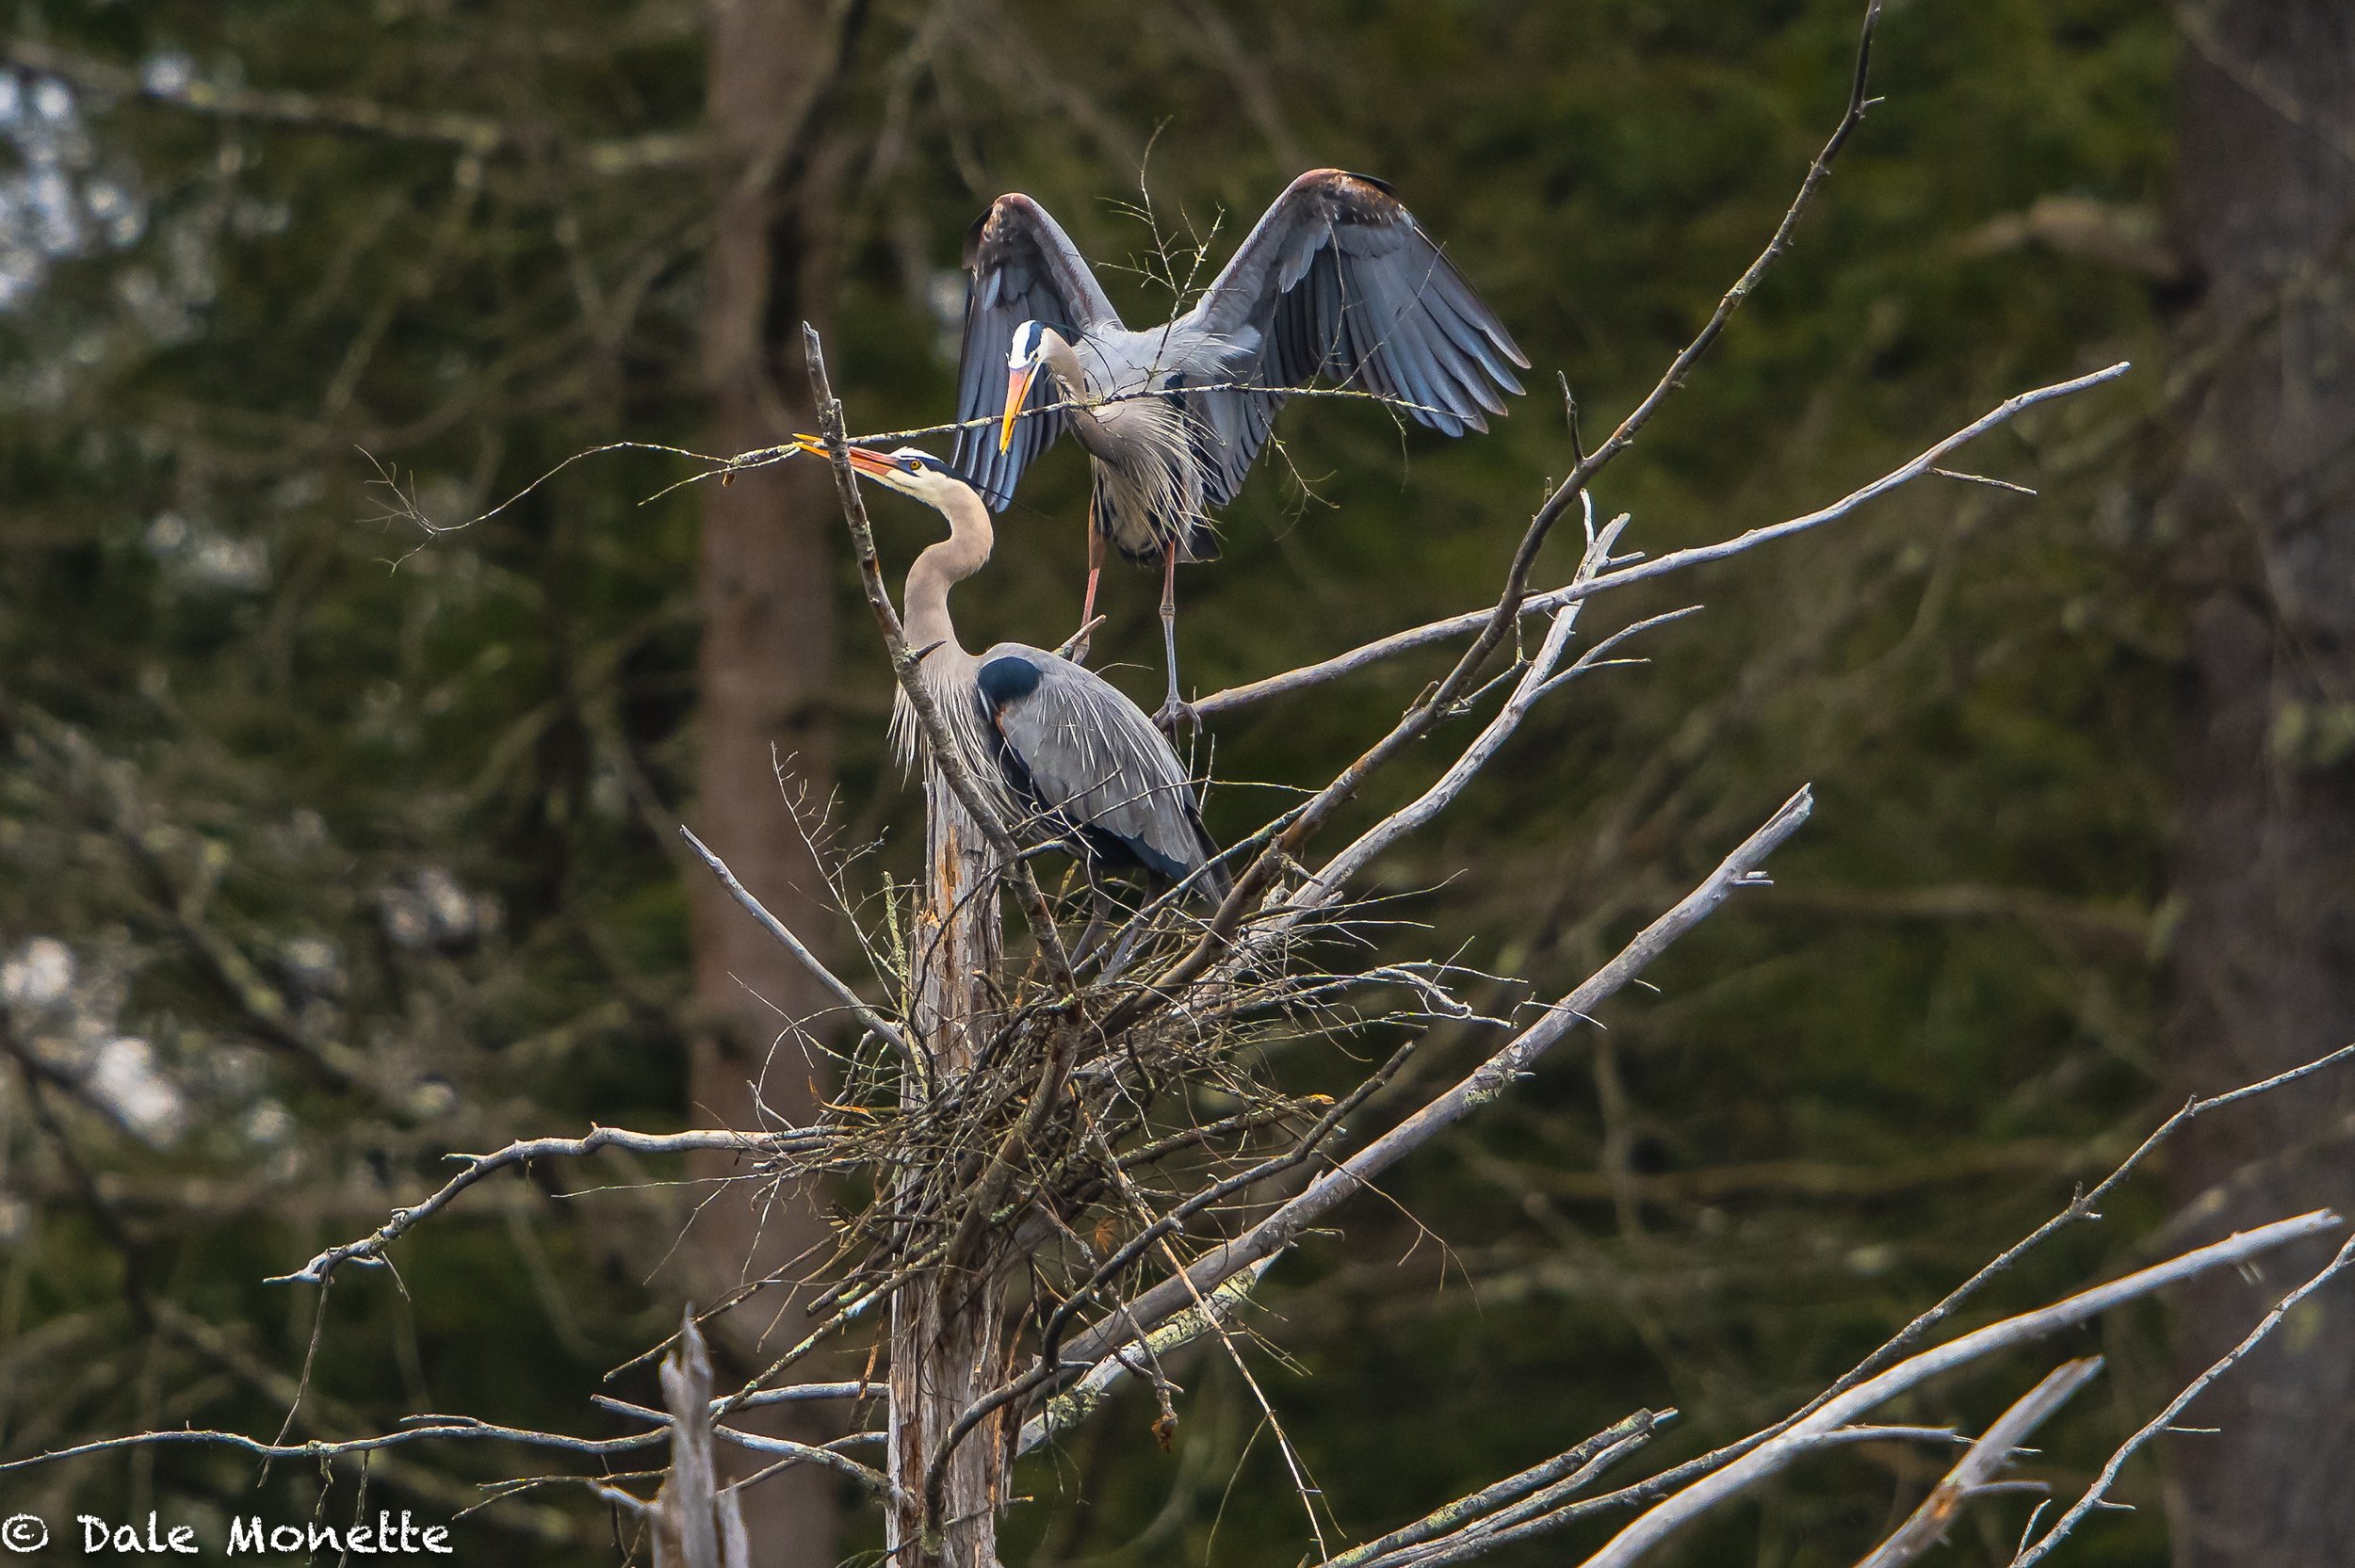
945 1341
697 1522
764 679
2264 967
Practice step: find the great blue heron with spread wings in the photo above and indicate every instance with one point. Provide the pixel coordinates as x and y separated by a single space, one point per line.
1064 755
1338 282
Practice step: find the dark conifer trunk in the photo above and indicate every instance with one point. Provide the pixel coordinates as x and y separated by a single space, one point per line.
765 591
2264 960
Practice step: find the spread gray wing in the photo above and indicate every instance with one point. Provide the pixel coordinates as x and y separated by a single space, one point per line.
1093 760
1024 269
1338 281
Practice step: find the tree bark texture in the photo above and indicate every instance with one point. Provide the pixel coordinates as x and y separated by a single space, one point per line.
765 594
944 1327
2263 972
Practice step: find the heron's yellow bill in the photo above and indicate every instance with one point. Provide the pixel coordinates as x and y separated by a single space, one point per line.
1017 388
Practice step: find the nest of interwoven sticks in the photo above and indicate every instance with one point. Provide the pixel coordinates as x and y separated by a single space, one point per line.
1078 1151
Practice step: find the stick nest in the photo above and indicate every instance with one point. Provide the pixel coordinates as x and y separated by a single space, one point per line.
1083 1156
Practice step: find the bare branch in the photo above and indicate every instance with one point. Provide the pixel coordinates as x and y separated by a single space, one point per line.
1084 1397
1280 1230
1676 560
2166 1418
1656 1523
1549 1510
1582 473
1992 483
1578 1465
427 1428
786 1452
368 1252
1682 365
800 1393
2081 1207
1493 622
1929 1522
873 1022
1327 883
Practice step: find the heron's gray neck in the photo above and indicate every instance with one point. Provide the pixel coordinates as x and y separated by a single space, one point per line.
1063 363
943 565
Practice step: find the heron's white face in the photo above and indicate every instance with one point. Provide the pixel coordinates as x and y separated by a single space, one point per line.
910 471
1030 348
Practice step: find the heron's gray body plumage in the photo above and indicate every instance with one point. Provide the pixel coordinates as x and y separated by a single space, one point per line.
1063 754
1337 281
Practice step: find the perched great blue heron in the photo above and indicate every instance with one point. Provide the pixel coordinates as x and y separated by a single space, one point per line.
1337 281
1067 757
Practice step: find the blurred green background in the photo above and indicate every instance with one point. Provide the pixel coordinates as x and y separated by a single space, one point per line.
327 846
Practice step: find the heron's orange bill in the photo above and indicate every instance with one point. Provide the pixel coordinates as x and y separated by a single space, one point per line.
1017 388
861 459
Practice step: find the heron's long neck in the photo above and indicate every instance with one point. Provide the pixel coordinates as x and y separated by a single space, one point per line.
1063 363
943 565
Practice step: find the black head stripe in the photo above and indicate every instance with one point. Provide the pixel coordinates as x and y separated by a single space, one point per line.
1007 680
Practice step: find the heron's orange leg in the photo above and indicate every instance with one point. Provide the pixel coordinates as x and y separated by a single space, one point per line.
1087 607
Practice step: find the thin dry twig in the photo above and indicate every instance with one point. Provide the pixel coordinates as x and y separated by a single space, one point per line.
464 1429
368 1252
2079 1207
783 1449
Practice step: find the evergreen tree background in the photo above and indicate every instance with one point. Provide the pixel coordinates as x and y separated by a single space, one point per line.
327 847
